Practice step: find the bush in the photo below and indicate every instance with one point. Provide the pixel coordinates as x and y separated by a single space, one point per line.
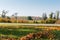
43 21
39 35
50 21
35 22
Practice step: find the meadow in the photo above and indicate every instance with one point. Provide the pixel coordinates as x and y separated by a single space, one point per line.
18 31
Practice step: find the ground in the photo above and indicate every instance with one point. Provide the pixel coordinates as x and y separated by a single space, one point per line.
18 31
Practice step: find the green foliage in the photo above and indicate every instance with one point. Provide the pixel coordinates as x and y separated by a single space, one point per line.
44 16
43 21
51 15
29 18
35 22
25 31
8 17
54 16
50 21
57 15
17 32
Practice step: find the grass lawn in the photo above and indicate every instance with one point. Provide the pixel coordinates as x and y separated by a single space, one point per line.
16 33
11 30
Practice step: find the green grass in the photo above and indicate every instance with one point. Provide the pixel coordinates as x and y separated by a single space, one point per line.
22 31
16 32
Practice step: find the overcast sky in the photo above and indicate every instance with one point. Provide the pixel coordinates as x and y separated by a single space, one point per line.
29 7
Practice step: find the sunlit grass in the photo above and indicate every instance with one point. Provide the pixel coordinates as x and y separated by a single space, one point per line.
16 31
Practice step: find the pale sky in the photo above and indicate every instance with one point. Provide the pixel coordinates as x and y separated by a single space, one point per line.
29 7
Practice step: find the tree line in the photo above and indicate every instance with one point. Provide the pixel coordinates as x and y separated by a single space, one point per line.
53 17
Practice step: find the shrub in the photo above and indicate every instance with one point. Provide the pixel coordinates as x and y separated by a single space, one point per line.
43 21
39 35
50 21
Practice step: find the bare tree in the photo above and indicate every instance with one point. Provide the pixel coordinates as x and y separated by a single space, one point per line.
15 15
4 13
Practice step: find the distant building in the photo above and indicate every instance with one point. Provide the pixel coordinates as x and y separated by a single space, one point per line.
26 18
36 18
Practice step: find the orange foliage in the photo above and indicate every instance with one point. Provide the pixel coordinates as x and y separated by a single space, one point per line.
43 34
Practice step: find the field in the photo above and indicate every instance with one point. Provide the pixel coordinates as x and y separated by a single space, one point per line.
18 31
